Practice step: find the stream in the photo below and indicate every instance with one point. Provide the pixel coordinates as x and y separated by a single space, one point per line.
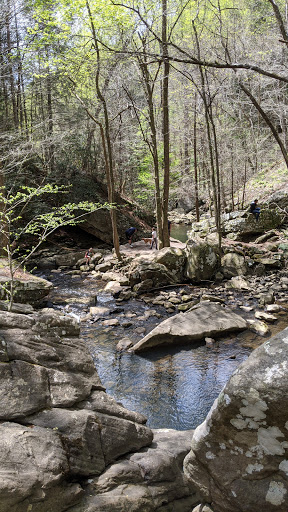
173 388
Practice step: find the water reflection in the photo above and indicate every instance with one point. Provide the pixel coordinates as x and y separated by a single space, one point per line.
179 231
173 388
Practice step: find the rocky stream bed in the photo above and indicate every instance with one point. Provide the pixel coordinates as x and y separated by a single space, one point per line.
173 387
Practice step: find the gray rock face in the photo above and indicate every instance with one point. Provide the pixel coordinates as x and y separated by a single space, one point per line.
206 319
269 219
202 260
173 259
30 289
146 481
64 426
233 264
154 274
33 470
238 459
240 223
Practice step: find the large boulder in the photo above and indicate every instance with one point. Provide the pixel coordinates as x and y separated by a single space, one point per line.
154 274
173 259
246 224
238 459
207 319
239 224
202 260
280 198
233 264
28 289
147 481
34 471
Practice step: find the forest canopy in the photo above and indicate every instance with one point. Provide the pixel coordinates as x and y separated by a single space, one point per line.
160 100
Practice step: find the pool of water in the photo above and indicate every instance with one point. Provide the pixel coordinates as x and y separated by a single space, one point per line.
173 388
179 231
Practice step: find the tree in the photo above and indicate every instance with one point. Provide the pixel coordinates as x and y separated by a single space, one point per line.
15 229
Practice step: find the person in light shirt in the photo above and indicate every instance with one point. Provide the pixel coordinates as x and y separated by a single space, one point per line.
154 238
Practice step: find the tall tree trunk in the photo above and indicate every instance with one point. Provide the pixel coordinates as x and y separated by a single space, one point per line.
10 67
195 160
166 130
107 142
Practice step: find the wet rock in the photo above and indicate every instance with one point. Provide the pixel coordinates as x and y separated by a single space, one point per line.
126 324
140 330
125 294
266 298
233 264
209 342
261 315
204 320
238 459
111 323
237 283
261 328
124 344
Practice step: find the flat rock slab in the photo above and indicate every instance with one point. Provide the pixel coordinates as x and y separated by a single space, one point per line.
206 319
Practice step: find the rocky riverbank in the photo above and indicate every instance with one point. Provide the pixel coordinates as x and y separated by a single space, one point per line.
59 428
67 445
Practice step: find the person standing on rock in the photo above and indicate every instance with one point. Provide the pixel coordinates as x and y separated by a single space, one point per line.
154 238
129 235
255 209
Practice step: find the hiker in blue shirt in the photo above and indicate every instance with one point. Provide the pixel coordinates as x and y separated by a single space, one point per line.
129 235
255 209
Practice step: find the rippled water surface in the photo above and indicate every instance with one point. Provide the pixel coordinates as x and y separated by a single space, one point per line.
174 388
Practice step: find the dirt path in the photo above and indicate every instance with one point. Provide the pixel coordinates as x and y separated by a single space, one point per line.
141 248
